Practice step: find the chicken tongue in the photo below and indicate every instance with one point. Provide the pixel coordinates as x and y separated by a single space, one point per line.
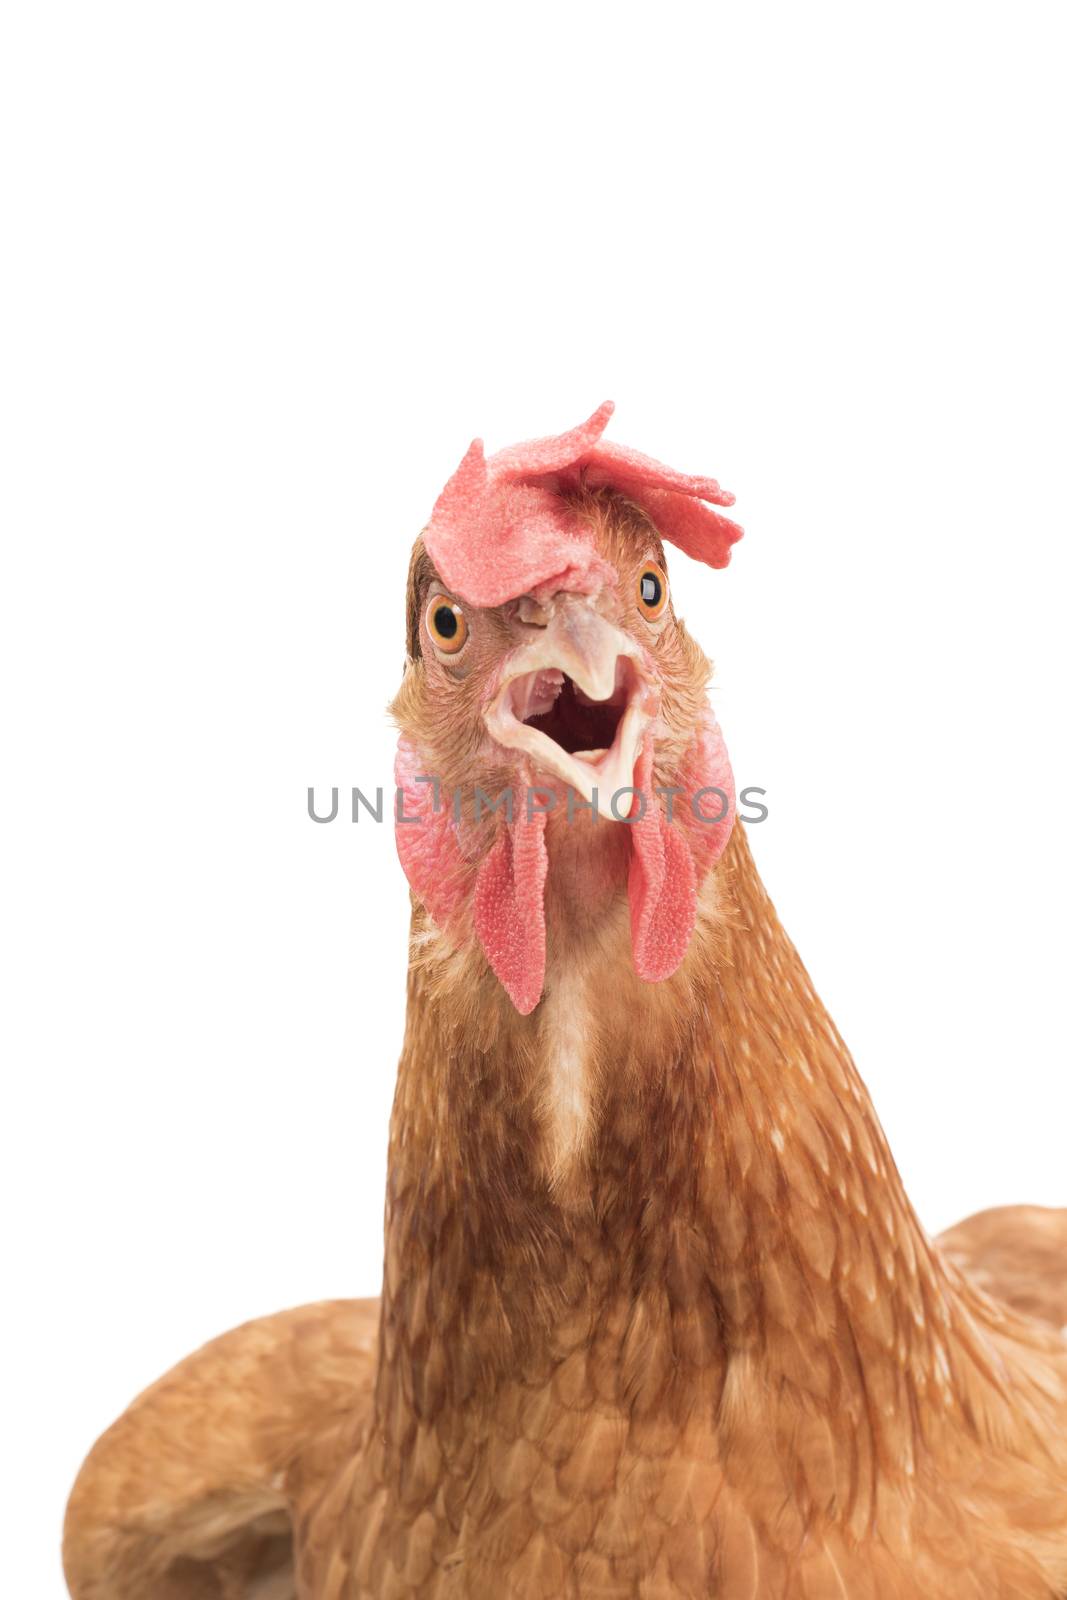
509 904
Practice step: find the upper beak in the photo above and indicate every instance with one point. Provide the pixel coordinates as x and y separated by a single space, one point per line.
607 669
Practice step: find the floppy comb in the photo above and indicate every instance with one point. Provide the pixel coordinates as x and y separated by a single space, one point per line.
502 526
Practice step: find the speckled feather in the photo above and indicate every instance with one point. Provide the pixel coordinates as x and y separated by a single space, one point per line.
710 1353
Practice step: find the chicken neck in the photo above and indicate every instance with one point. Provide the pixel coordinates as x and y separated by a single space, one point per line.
684 1183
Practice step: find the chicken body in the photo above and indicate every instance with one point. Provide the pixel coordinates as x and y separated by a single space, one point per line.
657 1321
718 1357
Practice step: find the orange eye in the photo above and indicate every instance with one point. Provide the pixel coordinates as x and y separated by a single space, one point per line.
652 591
446 624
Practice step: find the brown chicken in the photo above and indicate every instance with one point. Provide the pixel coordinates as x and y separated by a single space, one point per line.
657 1317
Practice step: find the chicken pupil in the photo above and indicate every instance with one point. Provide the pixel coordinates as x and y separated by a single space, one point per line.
445 621
577 726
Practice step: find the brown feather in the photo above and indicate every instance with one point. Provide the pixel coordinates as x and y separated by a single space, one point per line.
713 1354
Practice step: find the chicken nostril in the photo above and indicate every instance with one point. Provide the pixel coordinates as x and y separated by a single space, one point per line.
533 612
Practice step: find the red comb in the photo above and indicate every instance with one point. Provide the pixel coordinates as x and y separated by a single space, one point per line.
501 528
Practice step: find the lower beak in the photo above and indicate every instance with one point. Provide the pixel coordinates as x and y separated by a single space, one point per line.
580 682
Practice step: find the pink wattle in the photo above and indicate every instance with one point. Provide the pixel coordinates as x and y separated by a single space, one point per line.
707 766
670 858
508 886
662 886
509 906
426 842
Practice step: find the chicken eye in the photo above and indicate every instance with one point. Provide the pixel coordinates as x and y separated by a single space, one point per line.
446 625
652 591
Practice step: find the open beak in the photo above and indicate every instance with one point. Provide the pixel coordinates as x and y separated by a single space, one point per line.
576 700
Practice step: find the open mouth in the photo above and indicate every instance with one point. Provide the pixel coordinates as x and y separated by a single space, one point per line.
557 707
589 739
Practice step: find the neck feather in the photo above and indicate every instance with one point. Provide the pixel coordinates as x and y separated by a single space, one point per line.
720 1216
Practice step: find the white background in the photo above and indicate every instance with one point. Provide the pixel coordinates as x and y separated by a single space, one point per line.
267 269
